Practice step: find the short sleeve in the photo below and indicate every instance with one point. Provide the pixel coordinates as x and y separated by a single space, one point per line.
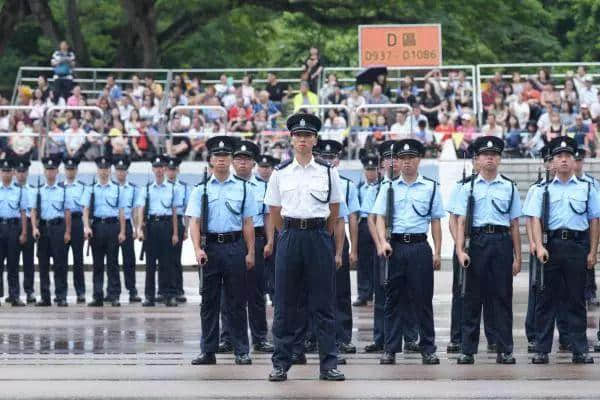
515 210
193 208
353 203
273 196
437 209
451 207
462 199
380 206
250 208
533 207
87 195
336 195
594 204
139 197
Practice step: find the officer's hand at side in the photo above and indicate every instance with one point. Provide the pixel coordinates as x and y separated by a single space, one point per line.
532 248
463 259
174 240
591 260
437 262
36 233
134 234
201 258
542 254
121 237
268 250
386 250
353 257
516 267
249 261
87 233
140 236
338 261
185 235
67 237
23 238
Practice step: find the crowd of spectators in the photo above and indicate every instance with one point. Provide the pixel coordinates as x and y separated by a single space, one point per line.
139 116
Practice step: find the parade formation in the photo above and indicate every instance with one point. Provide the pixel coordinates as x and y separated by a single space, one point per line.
263 227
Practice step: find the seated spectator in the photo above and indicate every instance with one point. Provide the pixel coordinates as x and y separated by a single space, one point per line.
448 108
513 133
567 115
497 83
430 103
260 121
591 141
132 124
74 139
136 90
21 144
329 87
42 85
198 138
380 124
463 91
535 139
376 96
492 128
542 78
554 128
487 96
223 86
142 147
38 105
417 115
520 109
423 134
271 110
568 94
76 99
95 139
305 98
548 96
229 99
125 106
354 101
54 141
248 90
334 120
114 90
579 131
468 129
277 91
149 111
499 110
381 80
337 97
445 126
401 128
517 83
532 97
405 96
238 109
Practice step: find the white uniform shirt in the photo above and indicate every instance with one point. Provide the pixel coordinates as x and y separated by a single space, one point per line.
291 187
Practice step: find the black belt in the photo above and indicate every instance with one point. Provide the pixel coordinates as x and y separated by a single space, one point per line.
310 223
490 229
363 220
159 218
76 215
53 221
105 220
568 234
409 237
10 221
227 237
259 231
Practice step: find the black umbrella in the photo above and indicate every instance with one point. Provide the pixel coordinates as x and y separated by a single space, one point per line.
370 75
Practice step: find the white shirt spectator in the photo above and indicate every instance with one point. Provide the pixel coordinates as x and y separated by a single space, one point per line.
588 96
544 122
521 110
74 139
497 131
402 131
5 123
125 111
415 121
151 114
354 102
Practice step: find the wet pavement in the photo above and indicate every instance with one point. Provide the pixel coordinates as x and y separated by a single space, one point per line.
142 353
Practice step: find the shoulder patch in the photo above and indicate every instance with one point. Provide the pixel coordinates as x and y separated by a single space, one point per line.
323 163
431 180
61 184
284 164
508 179
132 184
360 184
81 182
346 179
239 178
258 178
467 179
183 183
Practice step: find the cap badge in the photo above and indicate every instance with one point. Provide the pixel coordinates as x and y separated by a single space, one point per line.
489 143
370 162
264 159
406 146
563 144
327 147
120 162
243 148
49 162
302 122
221 144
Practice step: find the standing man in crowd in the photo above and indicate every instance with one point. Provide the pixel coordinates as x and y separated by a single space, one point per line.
304 195
495 254
26 249
226 258
104 229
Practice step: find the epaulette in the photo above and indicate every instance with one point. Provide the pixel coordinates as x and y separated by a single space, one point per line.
239 178
284 164
467 179
323 163
61 184
132 184
258 178
508 179
537 182
81 182
432 180
346 179
360 184
183 183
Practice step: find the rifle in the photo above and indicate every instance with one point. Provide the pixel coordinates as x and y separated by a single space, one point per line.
389 215
545 226
468 226
38 202
532 258
145 221
91 213
204 227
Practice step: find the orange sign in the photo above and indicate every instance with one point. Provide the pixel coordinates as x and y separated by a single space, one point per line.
400 45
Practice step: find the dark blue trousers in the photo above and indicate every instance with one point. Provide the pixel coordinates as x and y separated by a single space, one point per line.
9 251
159 249
76 246
409 291
304 263
590 284
343 299
105 245
564 282
178 250
379 303
27 251
224 274
51 244
366 259
255 298
489 280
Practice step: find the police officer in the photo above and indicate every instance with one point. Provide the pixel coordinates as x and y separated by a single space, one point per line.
75 192
329 151
13 230
417 203
590 281
21 175
304 195
132 195
571 248
51 227
244 155
366 245
495 251
104 229
161 232
226 258
184 190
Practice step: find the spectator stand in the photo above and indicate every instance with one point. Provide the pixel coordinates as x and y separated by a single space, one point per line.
24 143
77 143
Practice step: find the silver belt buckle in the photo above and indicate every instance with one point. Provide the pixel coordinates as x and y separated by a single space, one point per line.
406 237
490 229
564 235
303 224
220 238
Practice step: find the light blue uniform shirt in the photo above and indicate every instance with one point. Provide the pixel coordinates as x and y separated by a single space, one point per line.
13 199
259 189
349 196
183 194
368 199
528 196
588 178
75 193
567 204
410 201
132 197
451 206
30 190
162 198
492 201
225 212
343 212
54 201
107 199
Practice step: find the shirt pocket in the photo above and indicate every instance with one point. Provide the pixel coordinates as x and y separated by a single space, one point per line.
233 202
319 187
501 200
420 201
112 200
288 190
577 202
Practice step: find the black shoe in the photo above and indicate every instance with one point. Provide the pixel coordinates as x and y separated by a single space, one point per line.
411 347
17 303
30 298
582 358
160 299
453 348
96 303
387 358
373 348
43 303
298 359
277 375
360 303
597 348
181 299
310 346
492 348
62 303
134 298
540 358
341 360
264 347
331 375
593 302
346 348
564 348
465 359
225 347
430 359
505 358
115 303
171 302
81 299
531 347
243 359
148 303
205 359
